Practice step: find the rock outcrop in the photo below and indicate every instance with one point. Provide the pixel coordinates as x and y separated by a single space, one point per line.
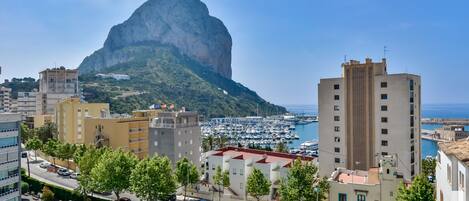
183 24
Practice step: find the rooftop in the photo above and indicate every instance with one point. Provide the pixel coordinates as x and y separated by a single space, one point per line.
369 177
460 149
261 156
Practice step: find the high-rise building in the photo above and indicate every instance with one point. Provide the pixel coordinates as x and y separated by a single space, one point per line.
27 103
10 157
70 117
54 85
5 99
367 113
175 135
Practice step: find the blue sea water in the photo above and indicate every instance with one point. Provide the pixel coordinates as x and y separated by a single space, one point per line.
429 148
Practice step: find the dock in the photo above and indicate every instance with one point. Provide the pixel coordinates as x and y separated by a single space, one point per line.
446 121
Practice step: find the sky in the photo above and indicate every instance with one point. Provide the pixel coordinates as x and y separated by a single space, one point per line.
281 48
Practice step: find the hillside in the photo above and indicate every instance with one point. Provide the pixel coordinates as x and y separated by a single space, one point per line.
160 74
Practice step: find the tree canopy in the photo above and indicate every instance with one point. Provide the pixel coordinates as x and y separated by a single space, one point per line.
258 185
186 174
420 190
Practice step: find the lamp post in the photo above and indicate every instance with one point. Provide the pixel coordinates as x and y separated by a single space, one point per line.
316 189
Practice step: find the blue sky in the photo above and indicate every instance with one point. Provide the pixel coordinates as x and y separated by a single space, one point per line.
280 48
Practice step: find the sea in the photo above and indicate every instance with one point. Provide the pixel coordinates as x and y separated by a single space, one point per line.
429 148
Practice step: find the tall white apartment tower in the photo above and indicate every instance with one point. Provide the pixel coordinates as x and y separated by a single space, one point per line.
367 113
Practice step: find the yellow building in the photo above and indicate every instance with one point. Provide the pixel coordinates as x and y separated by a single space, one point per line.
150 114
70 114
42 119
130 134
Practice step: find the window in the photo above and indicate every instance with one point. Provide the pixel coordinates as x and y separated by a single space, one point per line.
336 86
336 128
336 108
337 160
411 85
233 171
384 143
412 170
336 118
384 153
412 148
336 149
384 85
336 97
461 180
336 139
411 133
384 108
384 96
448 173
241 185
438 158
342 197
384 131
412 158
411 121
384 120
361 197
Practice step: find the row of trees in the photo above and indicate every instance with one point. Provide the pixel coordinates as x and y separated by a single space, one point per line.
53 148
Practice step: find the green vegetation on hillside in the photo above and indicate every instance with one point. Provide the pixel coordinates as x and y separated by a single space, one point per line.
26 84
160 74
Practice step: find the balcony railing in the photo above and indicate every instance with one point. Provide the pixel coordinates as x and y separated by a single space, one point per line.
11 191
9 177
169 125
8 146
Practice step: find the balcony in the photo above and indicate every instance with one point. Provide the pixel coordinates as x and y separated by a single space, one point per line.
9 148
8 133
10 180
172 125
9 164
10 194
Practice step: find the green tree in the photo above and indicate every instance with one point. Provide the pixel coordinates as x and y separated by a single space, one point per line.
66 152
26 132
80 150
303 183
186 174
47 194
420 190
222 180
35 144
152 179
86 163
46 132
258 185
112 173
221 141
281 147
207 143
51 148
428 167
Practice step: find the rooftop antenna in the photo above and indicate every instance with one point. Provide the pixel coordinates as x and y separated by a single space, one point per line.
345 58
385 50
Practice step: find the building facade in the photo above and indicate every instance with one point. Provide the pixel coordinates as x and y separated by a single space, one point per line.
10 163
367 113
55 85
176 135
452 170
70 117
130 134
452 132
27 103
239 162
5 99
375 184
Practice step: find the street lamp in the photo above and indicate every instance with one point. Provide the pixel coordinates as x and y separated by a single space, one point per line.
316 189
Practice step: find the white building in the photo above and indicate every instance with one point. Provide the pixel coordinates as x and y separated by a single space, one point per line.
10 157
375 184
367 113
239 162
27 103
452 170
5 99
55 85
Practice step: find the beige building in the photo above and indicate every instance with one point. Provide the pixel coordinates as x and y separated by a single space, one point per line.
5 99
130 134
70 117
27 103
367 113
176 135
55 85
41 120
452 133
375 184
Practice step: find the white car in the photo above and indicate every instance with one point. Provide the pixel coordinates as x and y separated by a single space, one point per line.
74 175
44 165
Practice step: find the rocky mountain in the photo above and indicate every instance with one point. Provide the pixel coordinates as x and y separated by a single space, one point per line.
184 24
175 53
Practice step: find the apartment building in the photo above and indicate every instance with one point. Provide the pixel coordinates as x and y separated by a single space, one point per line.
5 99
70 114
55 85
176 135
452 132
380 183
367 113
130 134
10 164
26 103
239 162
452 170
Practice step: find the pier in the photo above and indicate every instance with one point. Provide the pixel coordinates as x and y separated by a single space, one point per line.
447 121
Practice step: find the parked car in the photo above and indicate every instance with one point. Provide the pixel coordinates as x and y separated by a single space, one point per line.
63 172
44 165
24 154
125 199
74 175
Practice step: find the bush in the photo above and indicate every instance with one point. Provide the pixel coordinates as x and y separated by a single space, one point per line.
47 194
24 187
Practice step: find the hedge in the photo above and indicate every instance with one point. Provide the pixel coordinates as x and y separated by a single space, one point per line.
60 193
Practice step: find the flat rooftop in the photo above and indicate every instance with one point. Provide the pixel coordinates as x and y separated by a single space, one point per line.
459 149
369 177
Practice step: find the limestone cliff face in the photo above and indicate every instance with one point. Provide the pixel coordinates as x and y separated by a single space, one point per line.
184 24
